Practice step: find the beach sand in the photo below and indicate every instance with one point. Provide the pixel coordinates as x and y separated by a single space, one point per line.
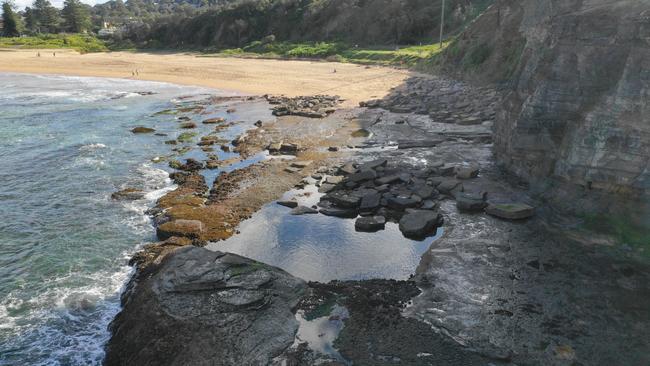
352 82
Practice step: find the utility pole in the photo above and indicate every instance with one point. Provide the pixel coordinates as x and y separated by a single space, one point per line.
442 22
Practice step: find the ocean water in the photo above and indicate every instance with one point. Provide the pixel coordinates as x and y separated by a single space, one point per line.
65 146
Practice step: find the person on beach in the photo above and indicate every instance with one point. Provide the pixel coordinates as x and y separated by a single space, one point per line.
54 54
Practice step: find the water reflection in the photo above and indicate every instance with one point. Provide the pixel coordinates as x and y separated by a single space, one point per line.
323 248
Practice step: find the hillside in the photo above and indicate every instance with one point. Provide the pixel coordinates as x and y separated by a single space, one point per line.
363 22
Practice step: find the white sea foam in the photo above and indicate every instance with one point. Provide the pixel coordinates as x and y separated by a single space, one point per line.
91 147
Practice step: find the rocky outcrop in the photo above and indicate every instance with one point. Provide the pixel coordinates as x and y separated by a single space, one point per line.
199 307
576 119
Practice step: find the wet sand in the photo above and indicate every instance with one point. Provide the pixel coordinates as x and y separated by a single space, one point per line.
354 83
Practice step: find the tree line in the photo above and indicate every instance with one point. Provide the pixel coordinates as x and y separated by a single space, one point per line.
42 17
234 23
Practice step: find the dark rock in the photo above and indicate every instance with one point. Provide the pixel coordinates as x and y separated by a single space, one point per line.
417 143
428 205
369 203
426 191
373 164
363 175
446 169
200 307
447 185
302 210
418 224
258 123
333 148
471 202
288 203
339 212
370 223
402 203
344 200
326 187
389 179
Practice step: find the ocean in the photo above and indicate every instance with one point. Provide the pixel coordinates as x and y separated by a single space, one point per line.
65 147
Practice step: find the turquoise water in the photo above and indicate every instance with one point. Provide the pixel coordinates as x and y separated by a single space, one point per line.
64 244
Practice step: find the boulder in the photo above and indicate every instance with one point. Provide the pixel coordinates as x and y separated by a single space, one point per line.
345 200
418 224
202 307
467 172
326 187
471 202
510 211
370 223
182 228
369 203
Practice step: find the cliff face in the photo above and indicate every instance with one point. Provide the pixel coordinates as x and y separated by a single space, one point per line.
576 116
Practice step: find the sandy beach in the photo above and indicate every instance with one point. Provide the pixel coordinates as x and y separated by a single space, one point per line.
354 83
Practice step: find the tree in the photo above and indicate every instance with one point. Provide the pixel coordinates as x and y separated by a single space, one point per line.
9 20
76 16
45 17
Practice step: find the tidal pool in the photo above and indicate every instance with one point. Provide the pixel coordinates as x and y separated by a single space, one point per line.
321 248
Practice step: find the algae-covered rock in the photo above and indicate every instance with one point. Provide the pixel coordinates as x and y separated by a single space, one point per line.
142 129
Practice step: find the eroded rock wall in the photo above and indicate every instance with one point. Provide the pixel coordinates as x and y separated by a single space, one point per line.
576 116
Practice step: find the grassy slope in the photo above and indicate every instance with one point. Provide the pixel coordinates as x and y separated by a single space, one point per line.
409 56
80 42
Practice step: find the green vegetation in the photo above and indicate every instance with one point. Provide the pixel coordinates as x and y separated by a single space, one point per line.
476 56
186 136
80 42
622 229
9 20
334 51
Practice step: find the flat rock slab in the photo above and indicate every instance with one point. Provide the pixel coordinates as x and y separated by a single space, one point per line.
201 307
182 228
418 224
510 211
370 224
301 164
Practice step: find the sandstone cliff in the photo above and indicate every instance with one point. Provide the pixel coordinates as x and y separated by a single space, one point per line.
575 122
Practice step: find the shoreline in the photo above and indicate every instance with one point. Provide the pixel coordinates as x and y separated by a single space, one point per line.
354 83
